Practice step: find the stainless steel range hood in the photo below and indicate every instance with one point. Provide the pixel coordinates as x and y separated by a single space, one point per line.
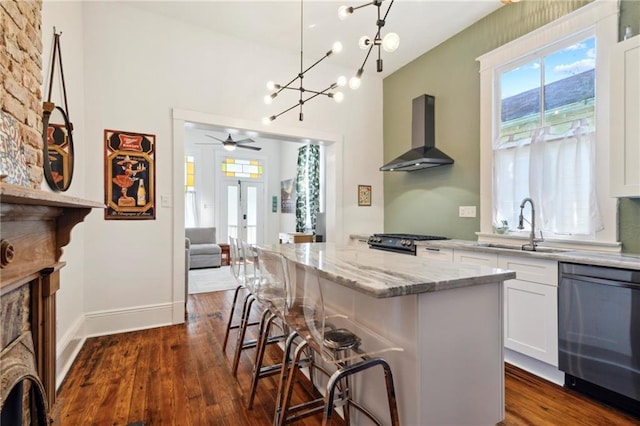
423 154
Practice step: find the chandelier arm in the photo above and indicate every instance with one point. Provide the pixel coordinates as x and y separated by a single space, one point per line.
315 63
387 12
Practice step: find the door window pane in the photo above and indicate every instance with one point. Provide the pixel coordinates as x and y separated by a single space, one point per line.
232 211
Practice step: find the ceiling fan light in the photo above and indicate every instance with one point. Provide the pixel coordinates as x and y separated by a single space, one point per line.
390 42
364 42
344 12
229 146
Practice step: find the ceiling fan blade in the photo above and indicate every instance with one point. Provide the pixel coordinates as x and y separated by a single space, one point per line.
213 137
243 141
255 148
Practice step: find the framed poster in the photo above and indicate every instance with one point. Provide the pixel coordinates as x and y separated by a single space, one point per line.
364 195
129 175
288 196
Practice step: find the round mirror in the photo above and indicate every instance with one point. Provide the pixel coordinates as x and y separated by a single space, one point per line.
57 144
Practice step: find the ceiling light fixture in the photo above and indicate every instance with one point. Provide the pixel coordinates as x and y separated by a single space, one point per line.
389 42
329 91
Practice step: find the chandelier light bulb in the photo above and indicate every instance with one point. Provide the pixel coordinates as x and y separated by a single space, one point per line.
354 82
344 12
266 120
338 97
364 42
390 42
337 47
268 99
342 81
271 85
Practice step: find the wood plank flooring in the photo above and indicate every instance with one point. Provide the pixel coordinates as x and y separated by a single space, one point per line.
178 375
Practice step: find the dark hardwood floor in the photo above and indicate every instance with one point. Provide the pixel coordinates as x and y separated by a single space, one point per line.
178 375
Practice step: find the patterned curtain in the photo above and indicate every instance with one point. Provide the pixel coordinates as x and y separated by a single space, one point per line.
307 188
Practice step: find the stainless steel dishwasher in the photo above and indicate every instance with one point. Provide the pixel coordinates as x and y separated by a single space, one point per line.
599 332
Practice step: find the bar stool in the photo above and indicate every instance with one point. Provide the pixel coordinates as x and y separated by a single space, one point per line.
270 292
339 341
234 264
247 269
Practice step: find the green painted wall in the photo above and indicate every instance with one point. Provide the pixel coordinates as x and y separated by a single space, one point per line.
427 201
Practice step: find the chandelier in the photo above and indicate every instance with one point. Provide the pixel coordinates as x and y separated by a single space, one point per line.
389 42
305 94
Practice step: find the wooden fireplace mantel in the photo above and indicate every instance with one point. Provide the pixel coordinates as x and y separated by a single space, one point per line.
35 226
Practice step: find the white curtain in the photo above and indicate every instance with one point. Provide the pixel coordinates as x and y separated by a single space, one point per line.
558 172
190 210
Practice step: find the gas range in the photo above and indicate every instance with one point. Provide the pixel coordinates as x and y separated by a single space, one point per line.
400 243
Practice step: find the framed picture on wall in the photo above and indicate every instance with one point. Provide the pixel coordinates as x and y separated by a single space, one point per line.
364 195
288 196
129 175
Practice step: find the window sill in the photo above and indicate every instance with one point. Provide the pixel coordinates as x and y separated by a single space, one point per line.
516 238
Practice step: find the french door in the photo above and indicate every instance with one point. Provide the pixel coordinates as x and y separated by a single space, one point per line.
243 216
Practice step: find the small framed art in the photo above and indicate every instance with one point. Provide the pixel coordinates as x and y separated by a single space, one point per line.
364 195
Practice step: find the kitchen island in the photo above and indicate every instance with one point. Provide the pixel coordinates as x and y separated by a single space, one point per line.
447 317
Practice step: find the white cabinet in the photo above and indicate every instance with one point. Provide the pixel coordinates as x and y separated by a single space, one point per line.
625 119
476 257
531 307
435 253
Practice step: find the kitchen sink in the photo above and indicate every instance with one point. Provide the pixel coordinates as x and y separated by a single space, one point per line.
538 249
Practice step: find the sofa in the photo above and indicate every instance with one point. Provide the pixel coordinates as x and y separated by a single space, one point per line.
202 248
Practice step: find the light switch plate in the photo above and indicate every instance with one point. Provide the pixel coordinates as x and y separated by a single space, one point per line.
165 200
467 211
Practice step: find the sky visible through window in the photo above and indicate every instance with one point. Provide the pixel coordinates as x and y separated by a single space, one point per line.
564 63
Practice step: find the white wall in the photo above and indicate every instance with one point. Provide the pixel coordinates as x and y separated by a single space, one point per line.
67 18
139 67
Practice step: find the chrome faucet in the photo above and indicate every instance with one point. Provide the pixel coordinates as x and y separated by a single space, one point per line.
532 236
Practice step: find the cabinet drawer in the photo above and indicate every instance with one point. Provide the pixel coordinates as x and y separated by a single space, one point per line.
475 257
435 253
529 269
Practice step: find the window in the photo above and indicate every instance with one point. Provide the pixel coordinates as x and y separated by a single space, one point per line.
544 128
545 138
190 206
235 167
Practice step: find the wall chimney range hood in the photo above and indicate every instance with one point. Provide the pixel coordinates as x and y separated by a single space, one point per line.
423 153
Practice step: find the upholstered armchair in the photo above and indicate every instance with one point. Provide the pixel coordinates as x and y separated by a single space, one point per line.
202 248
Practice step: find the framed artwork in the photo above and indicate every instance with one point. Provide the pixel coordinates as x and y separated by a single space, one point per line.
129 175
288 196
364 195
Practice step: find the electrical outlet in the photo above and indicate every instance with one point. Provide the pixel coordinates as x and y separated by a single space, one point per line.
467 211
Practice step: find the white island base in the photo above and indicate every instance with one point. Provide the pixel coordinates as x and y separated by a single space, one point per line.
451 371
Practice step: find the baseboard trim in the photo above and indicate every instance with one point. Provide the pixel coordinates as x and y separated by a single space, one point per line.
101 323
68 348
534 366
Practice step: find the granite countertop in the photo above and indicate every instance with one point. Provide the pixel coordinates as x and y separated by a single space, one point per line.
613 260
383 274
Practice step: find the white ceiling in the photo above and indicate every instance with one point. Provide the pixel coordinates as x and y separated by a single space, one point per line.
421 25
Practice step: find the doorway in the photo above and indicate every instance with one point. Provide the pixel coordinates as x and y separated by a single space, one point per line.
242 214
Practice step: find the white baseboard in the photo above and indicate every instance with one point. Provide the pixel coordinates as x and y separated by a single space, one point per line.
68 347
533 366
101 323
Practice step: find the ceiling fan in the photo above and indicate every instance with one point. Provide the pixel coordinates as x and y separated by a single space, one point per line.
230 145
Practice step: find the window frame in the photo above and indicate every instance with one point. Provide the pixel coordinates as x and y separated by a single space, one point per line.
599 17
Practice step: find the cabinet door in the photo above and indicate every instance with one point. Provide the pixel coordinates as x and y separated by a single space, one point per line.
625 119
435 253
531 320
475 257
